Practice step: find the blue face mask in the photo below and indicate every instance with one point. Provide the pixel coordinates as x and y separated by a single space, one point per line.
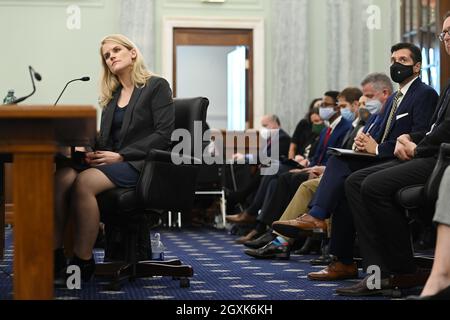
374 106
347 114
326 113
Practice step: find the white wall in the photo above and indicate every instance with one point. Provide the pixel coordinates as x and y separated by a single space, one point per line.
35 33
202 71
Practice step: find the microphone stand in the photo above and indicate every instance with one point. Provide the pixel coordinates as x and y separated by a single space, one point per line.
57 100
72 148
33 74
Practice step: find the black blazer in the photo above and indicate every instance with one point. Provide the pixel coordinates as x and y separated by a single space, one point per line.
430 144
148 122
285 143
413 115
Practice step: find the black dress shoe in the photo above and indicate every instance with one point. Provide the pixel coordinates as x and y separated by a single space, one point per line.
363 289
388 286
87 269
270 251
261 241
323 260
59 262
310 246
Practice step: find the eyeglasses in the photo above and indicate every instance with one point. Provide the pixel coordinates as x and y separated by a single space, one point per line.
442 35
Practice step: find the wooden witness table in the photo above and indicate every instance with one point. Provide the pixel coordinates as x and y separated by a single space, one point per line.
32 135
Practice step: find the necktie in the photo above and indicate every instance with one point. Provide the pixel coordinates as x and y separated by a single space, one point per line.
325 144
392 115
269 147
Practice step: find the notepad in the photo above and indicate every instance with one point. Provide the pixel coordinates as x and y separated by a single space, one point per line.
350 153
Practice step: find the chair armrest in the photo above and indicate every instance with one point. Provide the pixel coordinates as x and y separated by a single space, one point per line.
164 185
167 156
411 197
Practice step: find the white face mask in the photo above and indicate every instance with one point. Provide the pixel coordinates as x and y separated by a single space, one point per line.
266 133
326 113
374 106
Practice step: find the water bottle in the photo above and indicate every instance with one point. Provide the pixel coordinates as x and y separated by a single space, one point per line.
10 98
157 247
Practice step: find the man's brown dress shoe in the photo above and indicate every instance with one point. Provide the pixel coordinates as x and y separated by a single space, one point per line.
241 218
298 227
335 271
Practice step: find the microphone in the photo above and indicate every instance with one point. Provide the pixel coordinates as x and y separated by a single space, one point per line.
80 79
33 75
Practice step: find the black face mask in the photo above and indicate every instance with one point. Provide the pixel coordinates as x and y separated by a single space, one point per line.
400 72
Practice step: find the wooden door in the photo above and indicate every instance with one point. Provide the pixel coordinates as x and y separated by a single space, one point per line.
219 37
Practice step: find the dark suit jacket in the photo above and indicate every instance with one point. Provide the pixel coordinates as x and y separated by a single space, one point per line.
335 141
413 115
148 122
428 145
349 139
373 124
285 143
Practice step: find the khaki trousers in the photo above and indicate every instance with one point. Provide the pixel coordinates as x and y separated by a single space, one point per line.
303 196
299 204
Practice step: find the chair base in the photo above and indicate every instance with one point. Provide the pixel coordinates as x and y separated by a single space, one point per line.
121 270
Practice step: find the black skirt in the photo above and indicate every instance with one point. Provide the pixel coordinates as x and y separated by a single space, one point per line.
122 174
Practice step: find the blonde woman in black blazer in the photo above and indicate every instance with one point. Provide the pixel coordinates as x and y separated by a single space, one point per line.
138 115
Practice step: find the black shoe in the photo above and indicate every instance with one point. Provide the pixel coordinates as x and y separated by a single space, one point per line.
364 289
392 285
261 241
270 251
323 260
87 268
59 262
310 246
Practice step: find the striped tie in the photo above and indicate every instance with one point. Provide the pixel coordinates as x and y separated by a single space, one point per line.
392 115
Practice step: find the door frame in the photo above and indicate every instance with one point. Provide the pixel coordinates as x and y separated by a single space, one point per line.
255 24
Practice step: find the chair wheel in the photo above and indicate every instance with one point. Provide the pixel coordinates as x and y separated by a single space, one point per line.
185 283
396 294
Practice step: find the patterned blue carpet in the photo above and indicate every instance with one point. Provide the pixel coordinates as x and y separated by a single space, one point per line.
222 272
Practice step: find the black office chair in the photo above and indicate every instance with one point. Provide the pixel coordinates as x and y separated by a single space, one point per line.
162 186
419 201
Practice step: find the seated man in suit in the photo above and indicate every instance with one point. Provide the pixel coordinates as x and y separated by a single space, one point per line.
409 110
383 231
376 89
249 215
268 122
290 181
270 128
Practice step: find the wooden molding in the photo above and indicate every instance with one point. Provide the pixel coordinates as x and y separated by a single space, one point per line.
9 212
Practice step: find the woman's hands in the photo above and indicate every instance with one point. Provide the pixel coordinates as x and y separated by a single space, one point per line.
101 158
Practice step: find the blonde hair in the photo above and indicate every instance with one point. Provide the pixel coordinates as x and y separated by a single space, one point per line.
109 81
